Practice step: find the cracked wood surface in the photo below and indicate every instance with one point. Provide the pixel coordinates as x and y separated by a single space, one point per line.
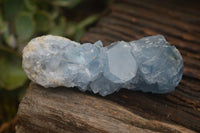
69 110
62 109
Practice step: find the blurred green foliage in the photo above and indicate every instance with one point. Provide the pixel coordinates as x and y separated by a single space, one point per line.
21 20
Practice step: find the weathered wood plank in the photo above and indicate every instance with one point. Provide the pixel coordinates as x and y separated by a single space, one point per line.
131 19
68 110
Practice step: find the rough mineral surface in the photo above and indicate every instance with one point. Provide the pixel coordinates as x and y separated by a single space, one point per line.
149 64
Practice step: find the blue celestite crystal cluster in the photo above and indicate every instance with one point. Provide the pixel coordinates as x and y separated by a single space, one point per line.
149 64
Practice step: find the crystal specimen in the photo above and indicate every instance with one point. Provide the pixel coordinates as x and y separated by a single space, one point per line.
149 64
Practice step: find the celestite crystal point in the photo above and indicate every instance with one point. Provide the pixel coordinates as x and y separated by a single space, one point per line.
149 64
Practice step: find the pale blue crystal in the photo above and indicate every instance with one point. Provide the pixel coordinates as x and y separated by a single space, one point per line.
149 64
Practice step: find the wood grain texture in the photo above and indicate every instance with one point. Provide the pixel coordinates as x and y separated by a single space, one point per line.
69 110
179 22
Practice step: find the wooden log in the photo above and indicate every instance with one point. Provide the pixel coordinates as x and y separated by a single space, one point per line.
69 110
64 109
179 22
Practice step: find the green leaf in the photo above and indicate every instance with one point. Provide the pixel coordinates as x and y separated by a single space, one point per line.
24 26
79 33
12 8
30 6
3 25
89 20
43 21
11 41
60 28
55 13
6 31
77 30
12 75
67 3
71 29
